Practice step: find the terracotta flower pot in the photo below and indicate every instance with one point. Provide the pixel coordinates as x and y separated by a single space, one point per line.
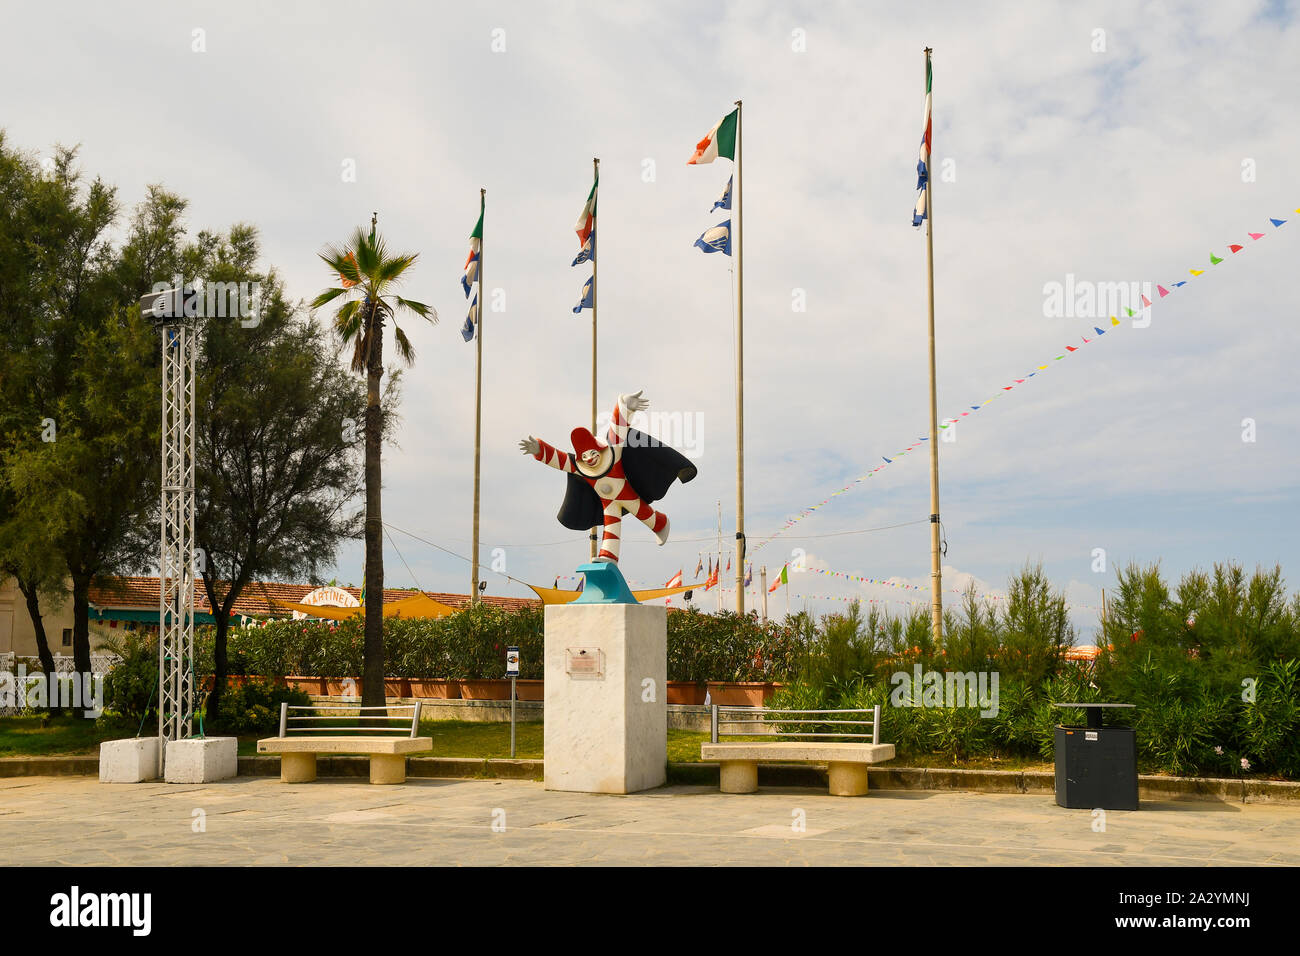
741 693
685 692
342 687
528 690
436 689
485 689
308 685
397 687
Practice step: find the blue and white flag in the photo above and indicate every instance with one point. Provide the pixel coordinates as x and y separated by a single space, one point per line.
471 321
470 275
922 208
588 251
724 201
588 297
717 239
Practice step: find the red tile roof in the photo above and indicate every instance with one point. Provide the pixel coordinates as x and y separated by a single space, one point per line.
257 599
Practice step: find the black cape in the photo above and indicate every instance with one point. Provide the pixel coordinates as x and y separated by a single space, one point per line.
650 466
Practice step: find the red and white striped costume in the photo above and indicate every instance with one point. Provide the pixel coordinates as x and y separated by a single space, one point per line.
604 473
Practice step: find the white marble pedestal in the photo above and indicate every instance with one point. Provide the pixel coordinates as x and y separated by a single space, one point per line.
606 695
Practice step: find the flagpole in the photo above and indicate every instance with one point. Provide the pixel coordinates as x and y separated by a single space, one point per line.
936 571
762 587
740 373
478 401
595 291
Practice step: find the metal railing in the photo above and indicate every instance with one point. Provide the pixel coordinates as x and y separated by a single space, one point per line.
758 715
63 663
391 712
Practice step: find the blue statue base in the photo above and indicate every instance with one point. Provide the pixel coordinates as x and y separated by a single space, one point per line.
603 583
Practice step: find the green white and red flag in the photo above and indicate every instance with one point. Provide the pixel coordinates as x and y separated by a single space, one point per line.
719 141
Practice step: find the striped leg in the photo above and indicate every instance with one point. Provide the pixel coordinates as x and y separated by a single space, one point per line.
656 521
612 531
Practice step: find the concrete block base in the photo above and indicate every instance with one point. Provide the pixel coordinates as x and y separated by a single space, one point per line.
201 761
738 776
297 768
387 768
132 760
847 779
606 693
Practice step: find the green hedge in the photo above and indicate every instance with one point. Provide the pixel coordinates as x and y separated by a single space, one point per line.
1212 666
471 644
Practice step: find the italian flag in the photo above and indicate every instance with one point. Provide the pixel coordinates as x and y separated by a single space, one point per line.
720 141
587 218
782 578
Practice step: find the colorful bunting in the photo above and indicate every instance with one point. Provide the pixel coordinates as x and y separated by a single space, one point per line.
1114 321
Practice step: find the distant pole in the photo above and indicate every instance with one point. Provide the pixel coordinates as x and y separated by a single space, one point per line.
762 586
478 403
740 372
936 571
595 292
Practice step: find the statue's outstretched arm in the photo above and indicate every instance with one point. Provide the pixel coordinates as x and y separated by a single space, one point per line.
546 453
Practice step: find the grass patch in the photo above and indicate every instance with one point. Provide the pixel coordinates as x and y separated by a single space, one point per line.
41 736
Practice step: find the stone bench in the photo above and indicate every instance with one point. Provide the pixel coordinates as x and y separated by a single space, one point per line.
299 745
846 762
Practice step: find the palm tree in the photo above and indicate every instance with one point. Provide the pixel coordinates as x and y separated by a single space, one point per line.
368 274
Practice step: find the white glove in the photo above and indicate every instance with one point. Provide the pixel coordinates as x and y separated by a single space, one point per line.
529 446
634 402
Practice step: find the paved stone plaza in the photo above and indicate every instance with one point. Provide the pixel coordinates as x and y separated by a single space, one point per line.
258 820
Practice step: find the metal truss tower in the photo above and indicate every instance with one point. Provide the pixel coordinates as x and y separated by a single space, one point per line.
176 537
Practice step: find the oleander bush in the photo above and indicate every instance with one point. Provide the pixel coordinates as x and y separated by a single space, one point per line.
1212 666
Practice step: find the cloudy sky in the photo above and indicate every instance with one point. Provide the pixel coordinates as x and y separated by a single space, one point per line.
1110 142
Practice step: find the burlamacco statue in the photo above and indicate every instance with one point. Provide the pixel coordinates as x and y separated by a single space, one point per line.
625 474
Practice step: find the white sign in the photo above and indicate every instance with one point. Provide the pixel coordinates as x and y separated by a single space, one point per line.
328 596
512 662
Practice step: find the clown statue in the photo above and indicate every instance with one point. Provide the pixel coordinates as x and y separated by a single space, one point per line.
628 472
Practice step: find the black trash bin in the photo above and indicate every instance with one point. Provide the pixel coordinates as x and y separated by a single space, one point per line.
1096 765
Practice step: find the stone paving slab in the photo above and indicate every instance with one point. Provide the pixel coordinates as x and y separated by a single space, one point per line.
340 821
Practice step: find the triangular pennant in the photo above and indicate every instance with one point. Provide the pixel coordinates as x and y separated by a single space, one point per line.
1071 348
1146 301
1162 290
1196 272
1114 321
1235 248
1177 284
1214 260
1276 222
1099 331
1255 235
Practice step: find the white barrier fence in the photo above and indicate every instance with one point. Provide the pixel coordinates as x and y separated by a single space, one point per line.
63 664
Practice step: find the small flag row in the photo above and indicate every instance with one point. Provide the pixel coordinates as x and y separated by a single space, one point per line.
1162 291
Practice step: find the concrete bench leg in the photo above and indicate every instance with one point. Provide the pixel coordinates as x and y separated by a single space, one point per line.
738 776
848 779
297 768
387 768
